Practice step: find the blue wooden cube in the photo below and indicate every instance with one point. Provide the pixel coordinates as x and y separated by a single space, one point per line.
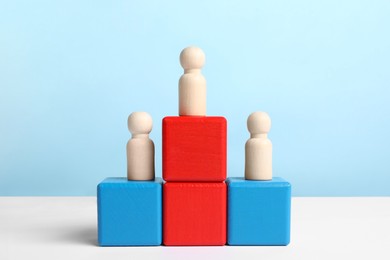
129 212
258 212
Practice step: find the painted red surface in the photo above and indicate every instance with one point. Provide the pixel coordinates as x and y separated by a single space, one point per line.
194 213
194 148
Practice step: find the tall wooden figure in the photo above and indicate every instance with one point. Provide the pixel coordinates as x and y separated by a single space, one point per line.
140 148
192 84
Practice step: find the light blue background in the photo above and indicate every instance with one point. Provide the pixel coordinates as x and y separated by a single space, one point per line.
72 71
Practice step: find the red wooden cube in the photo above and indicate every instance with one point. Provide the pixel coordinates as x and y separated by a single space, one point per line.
194 148
194 213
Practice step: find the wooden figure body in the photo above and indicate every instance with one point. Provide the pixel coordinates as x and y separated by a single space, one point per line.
258 148
140 148
192 84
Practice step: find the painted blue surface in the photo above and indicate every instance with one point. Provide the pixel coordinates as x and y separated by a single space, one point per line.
72 71
129 212
259 212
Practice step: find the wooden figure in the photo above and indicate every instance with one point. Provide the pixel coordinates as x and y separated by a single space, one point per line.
192 84
140 148
258 148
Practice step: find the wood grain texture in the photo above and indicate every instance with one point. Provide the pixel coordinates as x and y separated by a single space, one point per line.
194 148
194 214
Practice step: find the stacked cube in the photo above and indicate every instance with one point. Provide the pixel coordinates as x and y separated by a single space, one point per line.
194 168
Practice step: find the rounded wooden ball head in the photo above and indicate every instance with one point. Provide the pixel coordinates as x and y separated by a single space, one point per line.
259 123
140 123
192 58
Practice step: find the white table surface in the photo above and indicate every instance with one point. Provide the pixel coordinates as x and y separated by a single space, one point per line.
322 228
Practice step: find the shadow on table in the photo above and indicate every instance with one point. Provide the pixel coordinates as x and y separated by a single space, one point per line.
81 235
